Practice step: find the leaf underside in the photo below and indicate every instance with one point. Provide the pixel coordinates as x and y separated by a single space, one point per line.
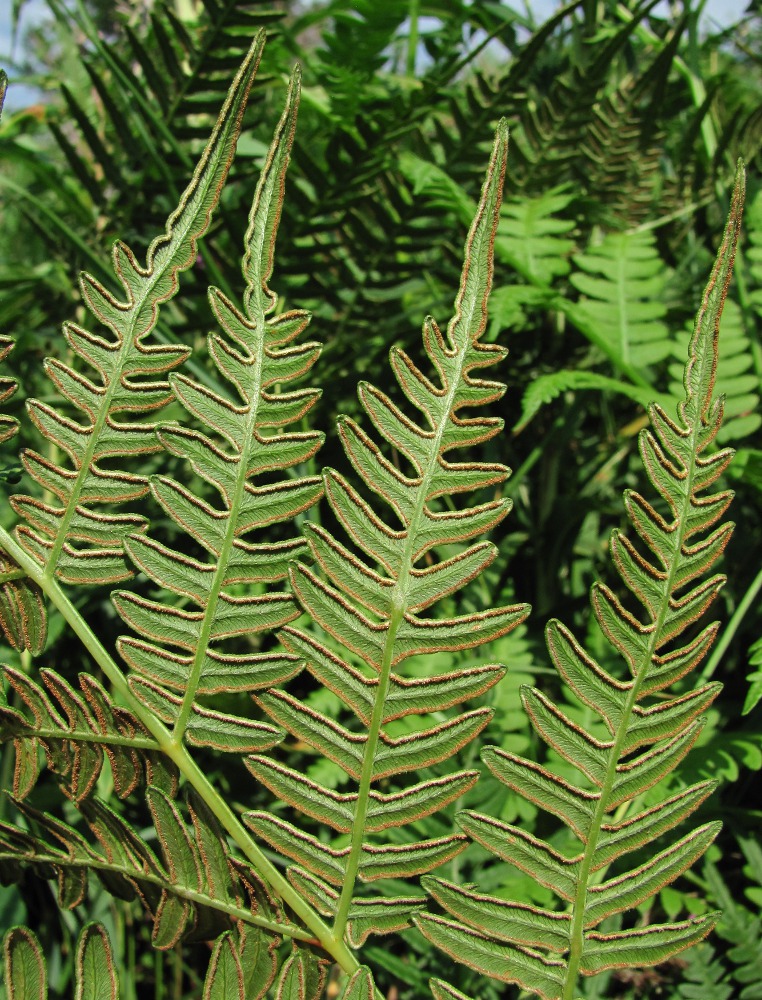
206 636
371 595
668 572
78 535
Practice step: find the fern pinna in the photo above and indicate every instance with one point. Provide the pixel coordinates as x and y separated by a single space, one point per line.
74 538
649 732
370 601
195 876
245 440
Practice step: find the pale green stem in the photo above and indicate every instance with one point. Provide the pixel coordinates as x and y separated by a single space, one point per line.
412 37
180 756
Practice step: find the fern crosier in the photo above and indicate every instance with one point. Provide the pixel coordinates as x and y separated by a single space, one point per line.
252 354
371 605
542 950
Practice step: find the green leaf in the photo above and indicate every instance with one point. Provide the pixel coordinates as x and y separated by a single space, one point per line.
622 312
499 961
25 974
59 535
259 961
646 946
545 388
224 977
443 991
359 986
665 575
95 974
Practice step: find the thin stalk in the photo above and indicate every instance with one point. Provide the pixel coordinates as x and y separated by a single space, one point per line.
412 37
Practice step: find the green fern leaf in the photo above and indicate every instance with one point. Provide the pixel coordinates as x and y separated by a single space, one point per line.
95 975
254 355
542 950
70 538
534 237
443 991
737 379
754 694
623 310
26 977
94 971
195 883
703 976
359 986
8 425
224 977
371 607
545 388
75 733
259 960
302 977
23 619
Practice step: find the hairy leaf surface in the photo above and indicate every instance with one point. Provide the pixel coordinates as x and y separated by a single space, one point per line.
372 596
225 604
73 535
667 572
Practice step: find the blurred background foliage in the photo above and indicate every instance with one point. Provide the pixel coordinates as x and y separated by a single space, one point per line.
626 119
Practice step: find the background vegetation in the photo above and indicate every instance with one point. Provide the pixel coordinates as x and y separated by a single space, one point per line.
625 129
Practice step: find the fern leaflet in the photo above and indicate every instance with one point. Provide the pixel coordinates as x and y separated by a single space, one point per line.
623 311
245 440
70 539
544 950
371 605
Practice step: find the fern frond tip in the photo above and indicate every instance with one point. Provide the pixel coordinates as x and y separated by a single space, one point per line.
700 372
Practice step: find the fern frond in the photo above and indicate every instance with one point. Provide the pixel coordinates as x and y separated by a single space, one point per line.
193 884
624 140
546 388
622 312
375 607
737 379
545 950
740 925
23 618
550 127
71 537
8 425
244 438
704 975
534 236
75 733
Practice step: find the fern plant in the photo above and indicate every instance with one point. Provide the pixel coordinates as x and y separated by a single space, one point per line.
642 738
361 602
